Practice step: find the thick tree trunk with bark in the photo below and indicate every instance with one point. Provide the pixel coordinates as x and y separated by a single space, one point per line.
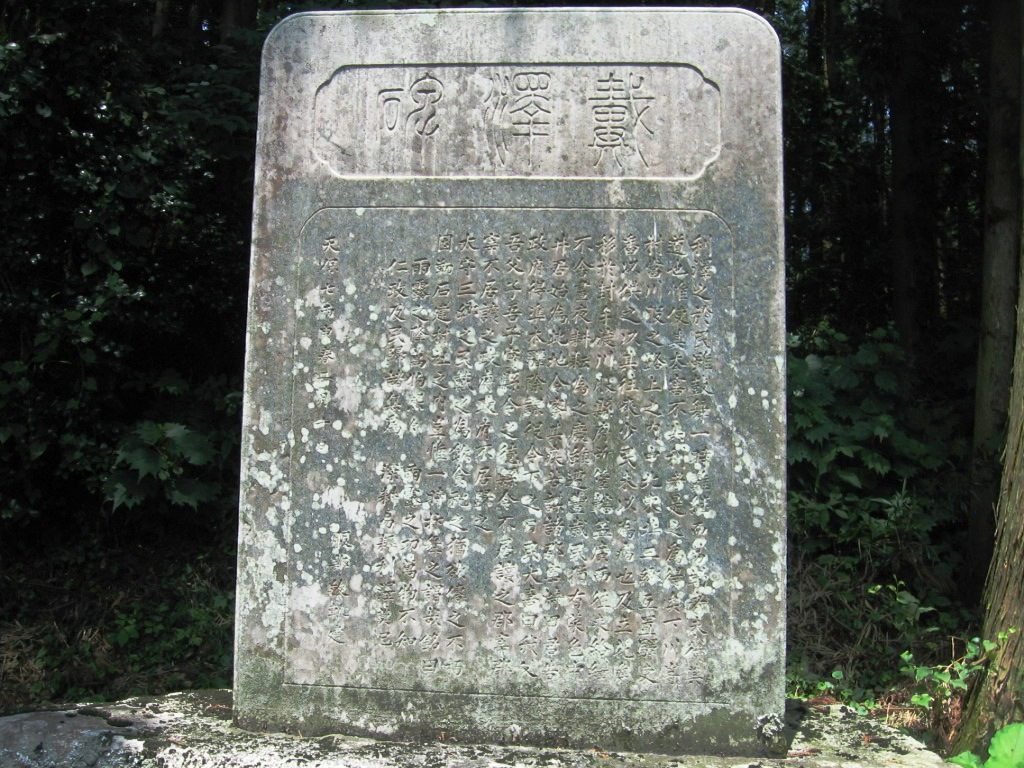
999 284
998 698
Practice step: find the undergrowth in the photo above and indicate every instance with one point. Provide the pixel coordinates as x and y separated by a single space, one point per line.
875 497
109 614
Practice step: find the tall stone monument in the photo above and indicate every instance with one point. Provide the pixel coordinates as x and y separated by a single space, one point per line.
514 422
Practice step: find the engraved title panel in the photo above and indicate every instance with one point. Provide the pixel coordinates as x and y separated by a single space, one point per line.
630 120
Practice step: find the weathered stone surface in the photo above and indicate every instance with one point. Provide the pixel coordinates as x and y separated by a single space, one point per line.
75 738
514 424
193 730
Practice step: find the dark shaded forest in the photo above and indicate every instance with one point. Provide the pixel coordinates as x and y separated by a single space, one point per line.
127 134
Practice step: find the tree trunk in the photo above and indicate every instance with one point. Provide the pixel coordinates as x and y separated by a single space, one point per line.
914 217
999 285
236 14
160 9
998 698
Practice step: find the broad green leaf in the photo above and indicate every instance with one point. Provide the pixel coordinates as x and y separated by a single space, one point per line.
191 493
174 432
849 476
876 462
1007 747
966 759
887 381
843 378
197 449
150 432
923 700
193 446
143 460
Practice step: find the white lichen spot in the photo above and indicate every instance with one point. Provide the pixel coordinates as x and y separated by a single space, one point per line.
355 511
348 393
266 419
333 497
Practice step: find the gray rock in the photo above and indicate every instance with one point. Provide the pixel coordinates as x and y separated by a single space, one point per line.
65 739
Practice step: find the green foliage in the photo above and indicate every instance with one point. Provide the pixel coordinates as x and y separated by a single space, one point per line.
834 686
872 486
125 188
935 685
1005 751
141 621
125 191
938 683
178 631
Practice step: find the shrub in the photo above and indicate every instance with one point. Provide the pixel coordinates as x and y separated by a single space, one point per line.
874 491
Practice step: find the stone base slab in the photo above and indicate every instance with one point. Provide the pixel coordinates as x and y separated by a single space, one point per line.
194 730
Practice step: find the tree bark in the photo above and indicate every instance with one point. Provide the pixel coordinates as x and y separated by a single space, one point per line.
998 698
236 14
999 284
160 9
913 249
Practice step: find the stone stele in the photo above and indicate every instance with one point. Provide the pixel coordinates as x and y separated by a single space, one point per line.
514 423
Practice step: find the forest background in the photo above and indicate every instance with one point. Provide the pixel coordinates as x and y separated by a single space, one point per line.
127 134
